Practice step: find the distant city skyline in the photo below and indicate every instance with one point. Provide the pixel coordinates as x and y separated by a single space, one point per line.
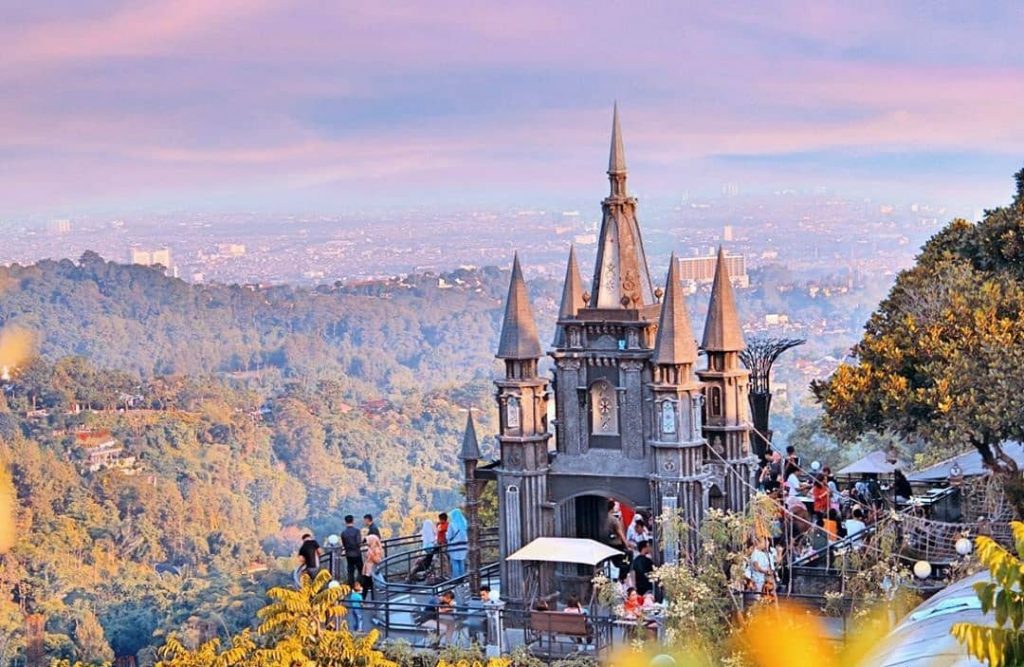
260 105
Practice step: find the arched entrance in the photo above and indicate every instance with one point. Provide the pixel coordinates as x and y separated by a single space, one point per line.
586 515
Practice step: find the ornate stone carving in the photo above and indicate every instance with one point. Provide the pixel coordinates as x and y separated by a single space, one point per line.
512 413
569 364
668 417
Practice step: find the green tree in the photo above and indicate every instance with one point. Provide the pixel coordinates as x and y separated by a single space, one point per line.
299 627
1001 645
940 358
91 645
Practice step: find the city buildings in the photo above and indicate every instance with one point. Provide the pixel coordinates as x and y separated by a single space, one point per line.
701 270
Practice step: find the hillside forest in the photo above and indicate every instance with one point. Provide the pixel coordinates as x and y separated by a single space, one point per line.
236 418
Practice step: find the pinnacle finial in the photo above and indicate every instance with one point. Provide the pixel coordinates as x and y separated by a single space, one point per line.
518 330
470 445
722 330
617 157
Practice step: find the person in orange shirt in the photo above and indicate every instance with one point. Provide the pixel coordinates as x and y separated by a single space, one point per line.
819 494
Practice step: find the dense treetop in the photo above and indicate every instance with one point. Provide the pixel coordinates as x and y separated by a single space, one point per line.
941 357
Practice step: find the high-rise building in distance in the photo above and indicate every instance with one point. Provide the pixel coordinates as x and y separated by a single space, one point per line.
157 257
701 270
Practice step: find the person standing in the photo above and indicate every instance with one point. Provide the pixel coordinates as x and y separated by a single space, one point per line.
762 571
374 555
442 542
820 495
457 541
352 542
370 526
309 557
794 487
642 567
355 607
616 538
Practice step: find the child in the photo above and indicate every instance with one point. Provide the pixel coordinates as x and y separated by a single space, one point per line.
355 607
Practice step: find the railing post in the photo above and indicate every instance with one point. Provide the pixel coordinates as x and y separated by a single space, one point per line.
495 610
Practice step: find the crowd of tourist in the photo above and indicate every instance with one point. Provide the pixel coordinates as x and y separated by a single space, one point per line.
813 513
445 547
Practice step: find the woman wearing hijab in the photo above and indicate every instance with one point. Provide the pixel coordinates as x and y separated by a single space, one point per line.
374 555
457 542
429 535
429 543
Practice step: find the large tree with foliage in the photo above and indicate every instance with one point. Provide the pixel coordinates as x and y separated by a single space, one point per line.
941 357
300 627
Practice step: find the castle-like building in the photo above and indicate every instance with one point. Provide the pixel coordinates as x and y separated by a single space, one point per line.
636 420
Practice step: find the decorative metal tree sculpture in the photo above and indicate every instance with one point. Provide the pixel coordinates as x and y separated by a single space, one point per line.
758 357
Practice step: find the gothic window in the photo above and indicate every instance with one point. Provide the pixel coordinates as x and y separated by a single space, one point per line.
668 417
716 499
716 402
604 409
512 419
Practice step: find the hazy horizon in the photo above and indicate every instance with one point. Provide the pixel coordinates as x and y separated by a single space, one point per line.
121 108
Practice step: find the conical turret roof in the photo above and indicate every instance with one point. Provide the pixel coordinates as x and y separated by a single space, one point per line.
722 331
572 294
470 446
675 343
621 277
519 330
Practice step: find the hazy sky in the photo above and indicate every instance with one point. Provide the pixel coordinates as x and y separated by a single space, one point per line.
335 106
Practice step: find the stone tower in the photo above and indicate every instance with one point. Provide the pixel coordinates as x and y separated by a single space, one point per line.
602 349
628 421
676 437
523 436
470 456
726 392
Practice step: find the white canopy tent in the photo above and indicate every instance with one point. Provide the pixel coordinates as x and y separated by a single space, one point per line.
566 550
970 464
877 463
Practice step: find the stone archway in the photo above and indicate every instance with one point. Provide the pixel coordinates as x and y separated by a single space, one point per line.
584 515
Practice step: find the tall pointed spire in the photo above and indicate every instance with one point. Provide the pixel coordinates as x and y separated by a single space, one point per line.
675 343
722 331
617 156
621 276
518 331
572 295
470 446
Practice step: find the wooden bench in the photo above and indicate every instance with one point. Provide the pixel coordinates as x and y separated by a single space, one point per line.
559 624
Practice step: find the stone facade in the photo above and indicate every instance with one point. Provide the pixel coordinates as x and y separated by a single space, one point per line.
633 416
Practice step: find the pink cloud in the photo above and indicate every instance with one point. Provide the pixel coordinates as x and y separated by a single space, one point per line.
133 30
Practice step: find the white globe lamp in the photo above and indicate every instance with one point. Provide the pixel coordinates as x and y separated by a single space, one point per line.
964 546
922 569
333 540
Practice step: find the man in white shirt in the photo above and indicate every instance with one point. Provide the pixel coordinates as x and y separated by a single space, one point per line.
761 565
855 525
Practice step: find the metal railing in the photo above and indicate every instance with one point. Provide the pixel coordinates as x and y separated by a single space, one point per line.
828 553
427 571
400 556
548 634
473 622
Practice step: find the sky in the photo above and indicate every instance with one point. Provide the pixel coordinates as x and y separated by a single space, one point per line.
354 106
